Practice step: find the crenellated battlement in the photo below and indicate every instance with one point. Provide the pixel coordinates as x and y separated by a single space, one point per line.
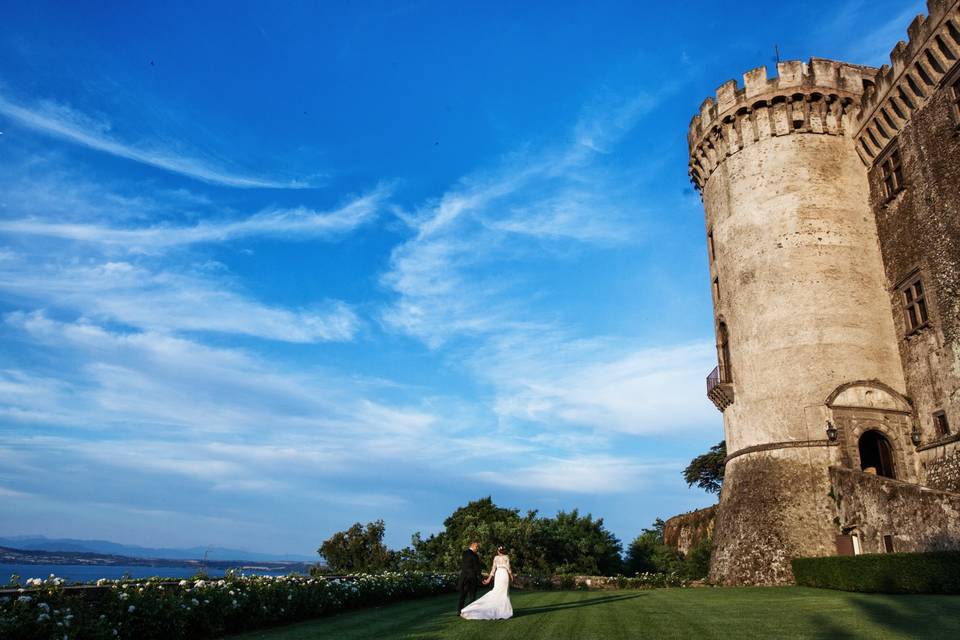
817 97
915 70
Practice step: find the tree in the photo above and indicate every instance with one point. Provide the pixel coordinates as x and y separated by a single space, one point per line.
648 553
481 521
537 545
697 560
706 470
571 543
359 549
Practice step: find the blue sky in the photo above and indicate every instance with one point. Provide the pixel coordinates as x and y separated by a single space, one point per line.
267 270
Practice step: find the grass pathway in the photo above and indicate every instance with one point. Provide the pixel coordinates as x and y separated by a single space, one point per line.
784 612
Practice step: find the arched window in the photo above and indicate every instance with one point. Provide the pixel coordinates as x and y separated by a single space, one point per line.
723 352
876 454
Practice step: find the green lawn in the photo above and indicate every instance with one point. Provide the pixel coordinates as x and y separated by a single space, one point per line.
784 612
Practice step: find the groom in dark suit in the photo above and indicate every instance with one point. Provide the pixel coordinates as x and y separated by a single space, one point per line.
470 571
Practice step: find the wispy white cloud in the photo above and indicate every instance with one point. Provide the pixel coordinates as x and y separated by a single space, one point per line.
61 122
563 194
464 278
610 386
11 493
299 223
160 300
596 474
146 406
154 384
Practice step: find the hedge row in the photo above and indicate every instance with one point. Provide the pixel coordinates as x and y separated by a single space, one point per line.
933 572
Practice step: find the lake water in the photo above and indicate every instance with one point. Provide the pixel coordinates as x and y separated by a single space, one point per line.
91 573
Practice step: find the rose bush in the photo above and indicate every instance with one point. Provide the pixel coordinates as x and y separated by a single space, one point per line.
197 608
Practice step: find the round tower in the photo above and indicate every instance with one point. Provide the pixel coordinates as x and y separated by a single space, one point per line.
800 303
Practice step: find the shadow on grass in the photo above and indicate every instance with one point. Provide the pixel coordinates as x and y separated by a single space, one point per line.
911 616
827 628
561 606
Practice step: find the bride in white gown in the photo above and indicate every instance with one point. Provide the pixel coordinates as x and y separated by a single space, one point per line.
495 604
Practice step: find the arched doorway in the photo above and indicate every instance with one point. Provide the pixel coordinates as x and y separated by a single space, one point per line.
876 454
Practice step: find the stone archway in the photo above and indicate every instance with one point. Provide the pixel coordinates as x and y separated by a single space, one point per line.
869 406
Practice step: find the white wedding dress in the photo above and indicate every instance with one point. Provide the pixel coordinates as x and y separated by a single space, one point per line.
495 604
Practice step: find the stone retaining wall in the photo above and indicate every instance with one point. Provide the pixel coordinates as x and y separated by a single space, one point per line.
687 530
916 518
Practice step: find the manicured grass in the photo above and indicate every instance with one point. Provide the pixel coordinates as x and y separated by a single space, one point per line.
782 612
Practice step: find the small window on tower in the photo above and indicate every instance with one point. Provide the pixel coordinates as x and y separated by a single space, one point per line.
891 174
710 249
940 424
716 288
914 299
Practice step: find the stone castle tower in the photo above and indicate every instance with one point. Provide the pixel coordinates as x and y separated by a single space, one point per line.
811 377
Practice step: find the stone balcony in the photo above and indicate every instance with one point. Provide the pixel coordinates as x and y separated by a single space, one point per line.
720 388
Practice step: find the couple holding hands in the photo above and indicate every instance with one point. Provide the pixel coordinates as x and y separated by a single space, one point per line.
495 604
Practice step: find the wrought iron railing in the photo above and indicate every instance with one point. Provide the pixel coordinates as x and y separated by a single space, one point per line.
719 375
713 379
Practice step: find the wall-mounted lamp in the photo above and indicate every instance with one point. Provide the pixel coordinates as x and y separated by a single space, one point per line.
831 432
915 436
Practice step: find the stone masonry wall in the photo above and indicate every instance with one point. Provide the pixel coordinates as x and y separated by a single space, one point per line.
775 506
918 518
943 471
919 227
690 529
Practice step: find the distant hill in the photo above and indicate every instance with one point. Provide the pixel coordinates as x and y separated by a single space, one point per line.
42 543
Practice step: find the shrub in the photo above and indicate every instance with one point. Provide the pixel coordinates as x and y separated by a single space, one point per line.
934 572
198 608
696 564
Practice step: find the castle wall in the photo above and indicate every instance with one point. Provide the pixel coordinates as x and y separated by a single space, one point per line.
688 530
919 228
942 468
774 506
916 518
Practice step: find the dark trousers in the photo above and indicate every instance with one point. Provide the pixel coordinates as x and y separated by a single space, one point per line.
468 593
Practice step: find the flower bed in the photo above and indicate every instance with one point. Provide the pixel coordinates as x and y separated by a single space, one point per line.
196 608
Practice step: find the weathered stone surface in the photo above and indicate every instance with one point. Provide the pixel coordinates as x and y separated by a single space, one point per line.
917 518
774 506
807 257
687 530
919 232
942 470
